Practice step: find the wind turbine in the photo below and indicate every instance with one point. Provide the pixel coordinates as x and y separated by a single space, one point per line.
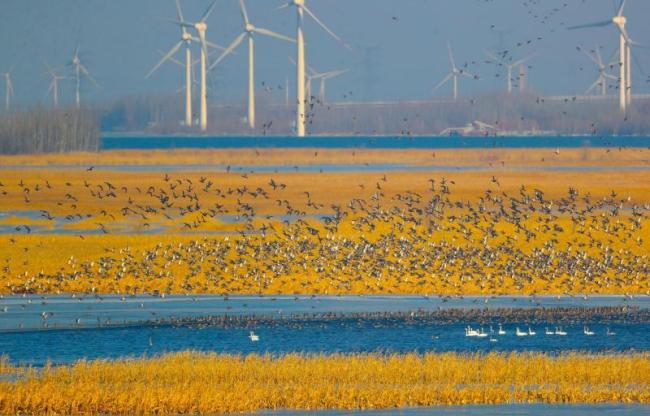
301 9
508 65
201 28
248 31
186 40
9 89
603 76
454 74
625 78
79 71
323 78
53 89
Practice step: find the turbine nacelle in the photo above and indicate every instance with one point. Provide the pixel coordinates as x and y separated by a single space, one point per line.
299 3
250 28
620 21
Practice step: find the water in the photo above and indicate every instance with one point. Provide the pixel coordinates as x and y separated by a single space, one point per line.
35 345
109 142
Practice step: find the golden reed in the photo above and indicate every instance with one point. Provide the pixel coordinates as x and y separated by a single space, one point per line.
191 382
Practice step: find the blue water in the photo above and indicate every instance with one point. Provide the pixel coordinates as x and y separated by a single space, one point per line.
64 340
109 142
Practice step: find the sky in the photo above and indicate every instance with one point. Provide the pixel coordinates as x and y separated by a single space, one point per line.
399 47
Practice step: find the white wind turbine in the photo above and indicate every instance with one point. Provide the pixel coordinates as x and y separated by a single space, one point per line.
603 75
625 77
323 78
454 74
313 75
499 60
79 71
186 40
201 28
301 9
248 31
9 89
53 89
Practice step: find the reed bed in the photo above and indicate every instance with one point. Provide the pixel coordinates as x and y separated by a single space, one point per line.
207 383
560 233
501 159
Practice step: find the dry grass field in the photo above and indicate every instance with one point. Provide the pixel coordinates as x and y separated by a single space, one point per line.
494 231
197 383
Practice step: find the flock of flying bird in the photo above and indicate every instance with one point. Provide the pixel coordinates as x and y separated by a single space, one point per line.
378 242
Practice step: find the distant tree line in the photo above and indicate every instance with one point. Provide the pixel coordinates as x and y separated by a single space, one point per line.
163 115
42 130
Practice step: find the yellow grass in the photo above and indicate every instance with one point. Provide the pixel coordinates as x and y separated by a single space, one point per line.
397 249
497 158
190 383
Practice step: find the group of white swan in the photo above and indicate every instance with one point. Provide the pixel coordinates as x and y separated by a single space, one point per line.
480 333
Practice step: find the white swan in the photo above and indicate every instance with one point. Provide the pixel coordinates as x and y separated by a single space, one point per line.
610 333
586 331
501 330
558 331
520 333
531 332
254 337
548 332
469 332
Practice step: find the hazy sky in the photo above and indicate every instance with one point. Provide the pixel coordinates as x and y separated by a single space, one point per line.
399 46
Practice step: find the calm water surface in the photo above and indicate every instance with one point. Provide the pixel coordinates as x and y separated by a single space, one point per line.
76 329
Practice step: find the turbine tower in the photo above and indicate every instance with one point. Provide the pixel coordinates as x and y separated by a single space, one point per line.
53 89
301 9
79 71
625 44
454 74
201 28
9 89
510 66
248 31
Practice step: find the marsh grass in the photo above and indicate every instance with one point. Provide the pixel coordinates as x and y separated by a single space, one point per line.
190 382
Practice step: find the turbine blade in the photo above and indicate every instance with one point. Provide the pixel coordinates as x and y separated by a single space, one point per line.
444 81
599 59
208 12
87 74
214 45
284 6
181 23
272 34
621 8
521 61
451 56
168 55
179 15
325 28
228 50
467 74
244 13
594 85
596 24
